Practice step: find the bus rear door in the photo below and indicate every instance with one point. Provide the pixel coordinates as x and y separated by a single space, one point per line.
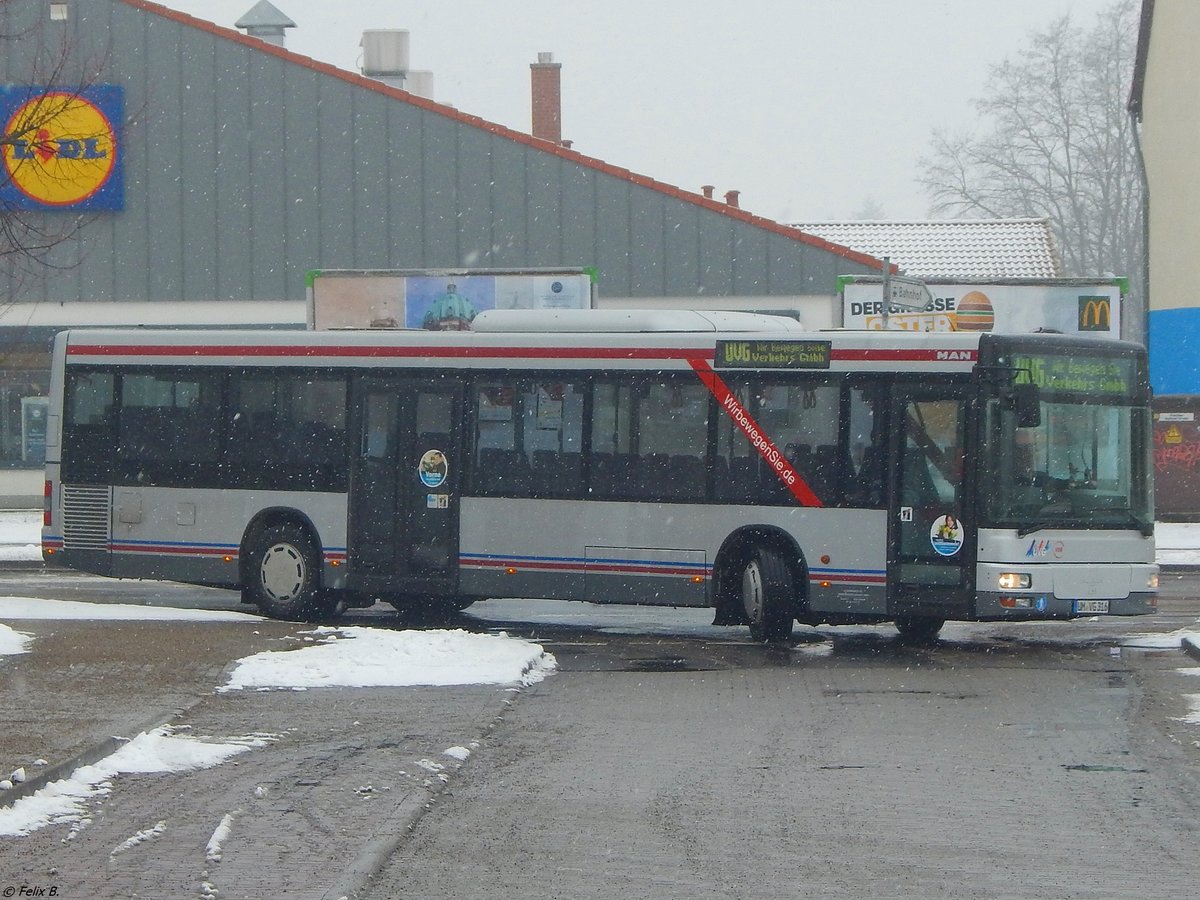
932 534
405 485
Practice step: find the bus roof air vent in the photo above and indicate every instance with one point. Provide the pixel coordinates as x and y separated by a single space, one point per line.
627 321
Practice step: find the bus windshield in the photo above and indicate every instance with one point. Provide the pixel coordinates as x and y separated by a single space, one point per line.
1078 462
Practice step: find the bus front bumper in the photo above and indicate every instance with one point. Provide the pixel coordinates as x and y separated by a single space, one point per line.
1062 591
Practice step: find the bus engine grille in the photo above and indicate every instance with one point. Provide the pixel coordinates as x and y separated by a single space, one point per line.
85 517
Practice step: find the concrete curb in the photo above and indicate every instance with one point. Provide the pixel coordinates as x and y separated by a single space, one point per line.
399 825
88 757
1179 569
1191 646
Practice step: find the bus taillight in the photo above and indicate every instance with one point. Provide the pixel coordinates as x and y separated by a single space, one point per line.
47 496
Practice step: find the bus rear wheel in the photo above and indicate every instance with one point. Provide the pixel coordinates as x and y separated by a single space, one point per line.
768 596
284 574
919 629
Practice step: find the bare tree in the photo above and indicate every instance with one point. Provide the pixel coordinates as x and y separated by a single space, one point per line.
1059 145
30 144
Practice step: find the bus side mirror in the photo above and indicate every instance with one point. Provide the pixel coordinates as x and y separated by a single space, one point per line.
1028 405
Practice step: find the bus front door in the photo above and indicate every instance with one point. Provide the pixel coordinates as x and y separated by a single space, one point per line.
932 534
404 486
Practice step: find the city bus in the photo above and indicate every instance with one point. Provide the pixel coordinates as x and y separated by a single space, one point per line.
677 458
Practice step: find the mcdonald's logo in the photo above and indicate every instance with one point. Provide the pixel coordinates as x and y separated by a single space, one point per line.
1095 314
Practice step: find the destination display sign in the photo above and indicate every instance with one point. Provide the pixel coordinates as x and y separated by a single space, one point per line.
772 355
1078 374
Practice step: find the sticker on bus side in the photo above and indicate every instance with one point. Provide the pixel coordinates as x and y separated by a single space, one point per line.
433 468
946 535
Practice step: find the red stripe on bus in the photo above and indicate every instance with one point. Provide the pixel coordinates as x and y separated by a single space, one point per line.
583 567
778 462
198 350
909 355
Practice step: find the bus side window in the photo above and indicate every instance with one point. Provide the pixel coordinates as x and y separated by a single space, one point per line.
88 427
552 438
801 419
649 439
866 470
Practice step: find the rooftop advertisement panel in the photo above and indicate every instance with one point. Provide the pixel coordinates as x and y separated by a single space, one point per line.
1092 309
437 300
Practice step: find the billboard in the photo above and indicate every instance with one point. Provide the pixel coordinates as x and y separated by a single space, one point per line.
1071 306
438 299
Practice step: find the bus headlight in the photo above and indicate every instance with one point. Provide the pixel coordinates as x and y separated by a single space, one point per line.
1015 581
1152 582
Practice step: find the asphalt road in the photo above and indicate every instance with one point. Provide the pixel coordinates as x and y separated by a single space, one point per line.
666 758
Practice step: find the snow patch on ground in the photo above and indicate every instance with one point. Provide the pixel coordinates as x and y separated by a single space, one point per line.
1193 717
369 657
160 751
1172 640
213 851
13 642
146 834
57 610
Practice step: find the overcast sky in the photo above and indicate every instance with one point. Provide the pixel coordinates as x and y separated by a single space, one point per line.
811 108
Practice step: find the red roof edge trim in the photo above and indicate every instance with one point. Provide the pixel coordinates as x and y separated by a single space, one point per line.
503 131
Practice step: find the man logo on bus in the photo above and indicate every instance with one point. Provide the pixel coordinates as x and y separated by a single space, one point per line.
1095 314
63 148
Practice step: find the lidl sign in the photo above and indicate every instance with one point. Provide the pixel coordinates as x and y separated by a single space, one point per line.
61 148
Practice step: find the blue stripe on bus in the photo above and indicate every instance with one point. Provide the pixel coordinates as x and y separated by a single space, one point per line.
172 544
849 576
177 548
581 564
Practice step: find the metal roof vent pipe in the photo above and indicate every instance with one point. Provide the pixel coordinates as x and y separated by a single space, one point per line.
731 197
265 22
385 56
419 82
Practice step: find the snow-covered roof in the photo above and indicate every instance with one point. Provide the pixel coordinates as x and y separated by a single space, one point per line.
952 248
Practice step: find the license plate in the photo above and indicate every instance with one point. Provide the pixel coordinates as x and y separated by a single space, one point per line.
1091 606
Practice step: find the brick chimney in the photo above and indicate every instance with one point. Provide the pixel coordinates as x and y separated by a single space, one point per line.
546 81
707 190
731 197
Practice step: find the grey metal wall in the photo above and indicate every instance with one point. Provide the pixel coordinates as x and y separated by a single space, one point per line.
243 171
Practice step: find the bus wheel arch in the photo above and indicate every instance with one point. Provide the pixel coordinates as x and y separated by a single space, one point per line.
280 567
760 574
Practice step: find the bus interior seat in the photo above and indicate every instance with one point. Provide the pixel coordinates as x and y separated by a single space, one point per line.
685 477
824 470
556 473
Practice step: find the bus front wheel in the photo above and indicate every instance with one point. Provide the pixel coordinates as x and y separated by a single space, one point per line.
768 596
284 577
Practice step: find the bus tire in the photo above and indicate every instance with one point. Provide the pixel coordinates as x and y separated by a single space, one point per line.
768 595
421 605
919 629
285 574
